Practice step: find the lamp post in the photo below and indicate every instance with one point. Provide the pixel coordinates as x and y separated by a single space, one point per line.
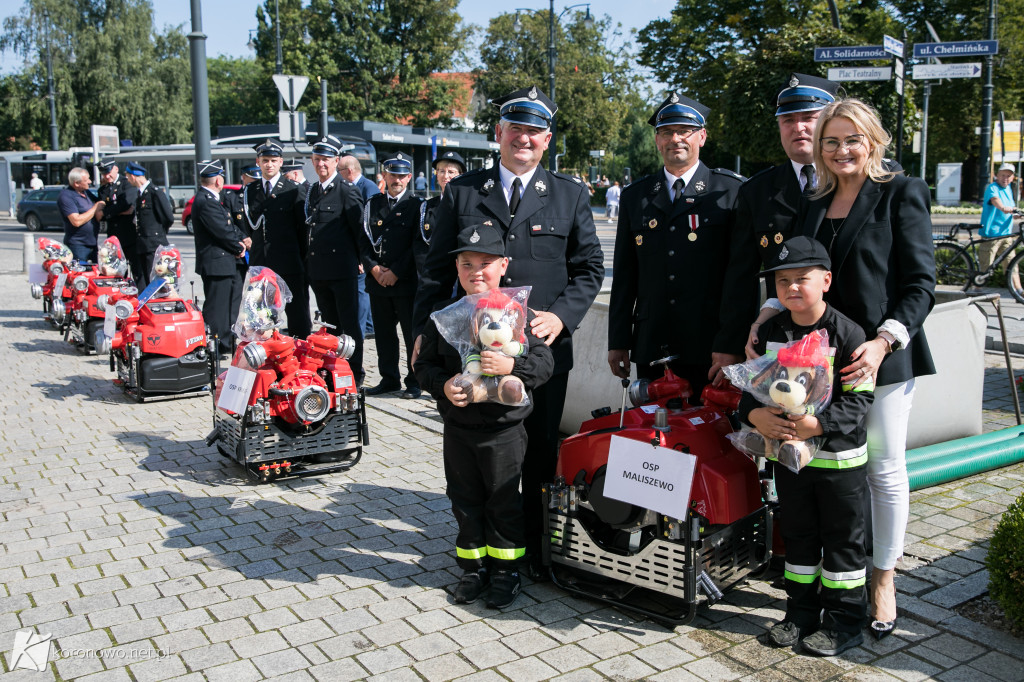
50 95
517 26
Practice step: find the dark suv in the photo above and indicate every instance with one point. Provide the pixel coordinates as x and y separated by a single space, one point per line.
38 209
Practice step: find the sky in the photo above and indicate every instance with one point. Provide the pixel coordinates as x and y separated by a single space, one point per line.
227 22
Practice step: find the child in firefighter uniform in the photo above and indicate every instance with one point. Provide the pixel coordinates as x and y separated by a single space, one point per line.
822 506
484 442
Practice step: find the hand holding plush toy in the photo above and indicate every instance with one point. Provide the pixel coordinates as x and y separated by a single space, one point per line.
167 264
264 296
796 379
497 323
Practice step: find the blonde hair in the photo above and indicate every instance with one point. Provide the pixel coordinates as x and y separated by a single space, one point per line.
865 119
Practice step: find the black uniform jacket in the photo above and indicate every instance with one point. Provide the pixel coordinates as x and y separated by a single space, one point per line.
843 421
232 201
217 238
153 215
766 210
278 225
422 245
883 266
438 362
667 288
552 246
334 221
392 233
119 197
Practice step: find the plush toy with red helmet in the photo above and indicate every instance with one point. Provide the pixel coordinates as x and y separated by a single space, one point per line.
53 250
264 296
110 258
167 264
494 320
797 378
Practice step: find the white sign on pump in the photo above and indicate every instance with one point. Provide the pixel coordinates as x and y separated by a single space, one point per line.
649 476
234 395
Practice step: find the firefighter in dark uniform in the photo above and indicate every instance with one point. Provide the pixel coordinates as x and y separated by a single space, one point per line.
273 209
153 216
447 167
233 201
671 249
119 212
391 224
220 254
333 212
553 247
767 206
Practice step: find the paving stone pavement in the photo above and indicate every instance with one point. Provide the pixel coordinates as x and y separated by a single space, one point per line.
122 532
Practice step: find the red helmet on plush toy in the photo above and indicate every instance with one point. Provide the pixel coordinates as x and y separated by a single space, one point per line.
808 352
110 257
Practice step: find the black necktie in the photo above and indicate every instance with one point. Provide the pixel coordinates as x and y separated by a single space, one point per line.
678 186
266 188
514 198
808 173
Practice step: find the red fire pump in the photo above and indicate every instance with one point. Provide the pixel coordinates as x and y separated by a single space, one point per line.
54 285
84 324
633 556
157 340
287 406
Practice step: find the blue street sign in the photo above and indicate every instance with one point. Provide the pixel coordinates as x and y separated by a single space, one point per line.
849 54
962 48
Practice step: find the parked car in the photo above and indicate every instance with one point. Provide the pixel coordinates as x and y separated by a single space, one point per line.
186 214
38 209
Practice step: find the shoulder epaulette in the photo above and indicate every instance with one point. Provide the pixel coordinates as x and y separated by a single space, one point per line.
728 173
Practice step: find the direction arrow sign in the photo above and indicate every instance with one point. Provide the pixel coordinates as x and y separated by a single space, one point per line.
291 88
962 48
967 70
860 73
849 54
892 46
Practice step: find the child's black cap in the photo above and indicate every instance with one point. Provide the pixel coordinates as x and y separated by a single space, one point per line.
481 239
801 252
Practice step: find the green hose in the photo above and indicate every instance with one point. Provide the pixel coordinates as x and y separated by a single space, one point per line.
948 447
964 462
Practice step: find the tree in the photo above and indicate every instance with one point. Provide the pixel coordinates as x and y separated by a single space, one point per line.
109 65
378 56
591 77
241 93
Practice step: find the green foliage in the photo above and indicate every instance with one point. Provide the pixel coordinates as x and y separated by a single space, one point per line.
592 77
241 92
378 56
1005 563
121 67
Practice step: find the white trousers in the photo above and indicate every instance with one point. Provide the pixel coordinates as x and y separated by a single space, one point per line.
887 471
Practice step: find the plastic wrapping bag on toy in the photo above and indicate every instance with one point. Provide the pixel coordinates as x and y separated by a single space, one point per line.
494 320
110 258
796 377
264 296
54 250
167 264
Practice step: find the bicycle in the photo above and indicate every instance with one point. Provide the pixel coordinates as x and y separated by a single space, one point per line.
956 263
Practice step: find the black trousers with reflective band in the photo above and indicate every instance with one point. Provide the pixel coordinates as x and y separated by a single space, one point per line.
482 469
823 528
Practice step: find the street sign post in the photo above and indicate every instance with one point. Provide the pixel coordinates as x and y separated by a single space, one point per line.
892 46
849 54
860 73
961 70
291 88
959 48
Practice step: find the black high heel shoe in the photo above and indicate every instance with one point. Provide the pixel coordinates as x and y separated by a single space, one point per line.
882 629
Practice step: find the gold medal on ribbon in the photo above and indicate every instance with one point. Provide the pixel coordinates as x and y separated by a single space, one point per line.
692 236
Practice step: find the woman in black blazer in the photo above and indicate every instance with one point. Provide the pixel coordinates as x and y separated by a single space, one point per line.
876 226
